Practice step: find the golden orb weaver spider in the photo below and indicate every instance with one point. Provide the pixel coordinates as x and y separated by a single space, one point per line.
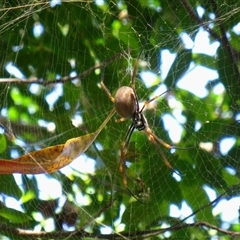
127 106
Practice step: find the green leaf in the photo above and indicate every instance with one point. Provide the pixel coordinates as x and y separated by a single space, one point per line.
228 73
205 60
178 68
3 143
13 215
9 186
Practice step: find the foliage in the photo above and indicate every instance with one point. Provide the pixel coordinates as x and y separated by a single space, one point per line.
82 42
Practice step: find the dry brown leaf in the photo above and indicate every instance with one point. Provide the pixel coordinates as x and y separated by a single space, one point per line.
52 158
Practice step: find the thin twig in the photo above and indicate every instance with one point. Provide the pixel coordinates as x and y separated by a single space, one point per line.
63 79
10 231
195 17
221 38
224 39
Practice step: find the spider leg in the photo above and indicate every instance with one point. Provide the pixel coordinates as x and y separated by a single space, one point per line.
169 146
166 145
124 149
104 86
152 99
151 137
134 77
135 72
122 165
120 120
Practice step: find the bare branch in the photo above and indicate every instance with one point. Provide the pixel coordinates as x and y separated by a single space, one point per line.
26 234
63 79
10 231
221 38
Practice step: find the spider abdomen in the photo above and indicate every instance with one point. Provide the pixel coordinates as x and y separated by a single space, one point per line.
125 102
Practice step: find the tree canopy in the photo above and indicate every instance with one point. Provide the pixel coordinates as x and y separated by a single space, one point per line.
67 168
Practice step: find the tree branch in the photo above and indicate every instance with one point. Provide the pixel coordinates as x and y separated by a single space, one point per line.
63 79
222 39
26 234
10 231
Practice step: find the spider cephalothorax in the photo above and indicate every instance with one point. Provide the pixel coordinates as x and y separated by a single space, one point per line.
139 121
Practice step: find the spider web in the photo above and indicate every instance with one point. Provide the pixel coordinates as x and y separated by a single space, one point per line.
54 56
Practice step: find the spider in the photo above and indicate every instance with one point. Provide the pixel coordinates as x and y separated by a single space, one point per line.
127 106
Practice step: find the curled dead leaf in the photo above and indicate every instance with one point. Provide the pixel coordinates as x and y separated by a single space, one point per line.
52 158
